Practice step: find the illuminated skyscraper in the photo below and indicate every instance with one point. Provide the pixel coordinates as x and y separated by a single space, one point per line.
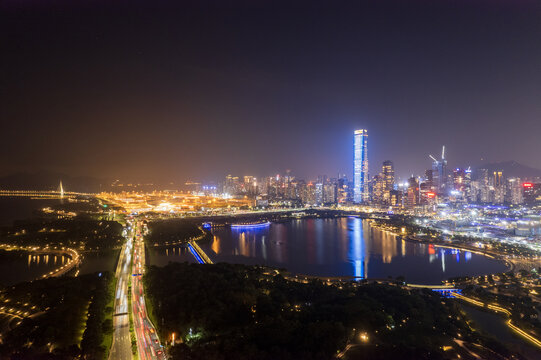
388 177
498 178
439 174
413 192
360 167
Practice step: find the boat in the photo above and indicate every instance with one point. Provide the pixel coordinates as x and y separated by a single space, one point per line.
250 225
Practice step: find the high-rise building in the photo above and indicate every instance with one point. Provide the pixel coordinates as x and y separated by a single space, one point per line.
360 167
376 186
329 193
467 184
514 191
250 185
342 190
319 193
413 192
429 180
382 184
440 178
458 179
231 185
396 198
482 178
498 178
531 193
388 178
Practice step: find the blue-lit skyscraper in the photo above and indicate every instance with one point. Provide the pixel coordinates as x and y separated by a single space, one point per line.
360 166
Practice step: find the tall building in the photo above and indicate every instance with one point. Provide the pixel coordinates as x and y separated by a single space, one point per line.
360 167
382 184
396 198
319 194
250 185
514 191
342 190
376 186
439 174
531 193
388 178
459 176
413 192
482 178
498 178
329 193
467 184
231 185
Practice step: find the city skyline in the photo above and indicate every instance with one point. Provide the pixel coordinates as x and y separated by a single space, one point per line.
249 180
438 166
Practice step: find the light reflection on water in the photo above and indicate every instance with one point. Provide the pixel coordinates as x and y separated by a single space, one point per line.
161 256
36 260
17 267
344 247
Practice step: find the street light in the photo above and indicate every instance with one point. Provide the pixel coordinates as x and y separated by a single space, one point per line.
364 337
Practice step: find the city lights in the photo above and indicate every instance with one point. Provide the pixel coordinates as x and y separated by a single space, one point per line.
195 180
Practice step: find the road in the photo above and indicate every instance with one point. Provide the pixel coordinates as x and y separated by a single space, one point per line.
121 347
498 309
74 259
148 343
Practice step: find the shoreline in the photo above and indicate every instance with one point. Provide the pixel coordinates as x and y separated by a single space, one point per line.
510 266
492 255
496 256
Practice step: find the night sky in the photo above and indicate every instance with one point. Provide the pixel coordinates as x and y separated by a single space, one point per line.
177 90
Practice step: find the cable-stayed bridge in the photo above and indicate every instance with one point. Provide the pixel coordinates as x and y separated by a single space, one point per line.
41 193
58 193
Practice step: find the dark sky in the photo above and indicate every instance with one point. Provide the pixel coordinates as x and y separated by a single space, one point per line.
176 90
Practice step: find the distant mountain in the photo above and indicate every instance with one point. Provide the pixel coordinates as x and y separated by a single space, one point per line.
512 169
50 181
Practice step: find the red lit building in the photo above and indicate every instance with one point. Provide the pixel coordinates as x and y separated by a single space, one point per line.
531 193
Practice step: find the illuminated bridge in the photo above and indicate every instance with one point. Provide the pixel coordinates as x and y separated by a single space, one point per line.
60 192
447 291
198 253
41 193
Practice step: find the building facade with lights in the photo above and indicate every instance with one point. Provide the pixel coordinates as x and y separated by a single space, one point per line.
360 166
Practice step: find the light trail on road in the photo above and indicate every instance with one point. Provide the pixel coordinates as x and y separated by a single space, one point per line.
497 308
148 342
121 348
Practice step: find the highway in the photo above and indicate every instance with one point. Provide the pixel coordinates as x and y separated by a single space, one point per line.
148 342
121 347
